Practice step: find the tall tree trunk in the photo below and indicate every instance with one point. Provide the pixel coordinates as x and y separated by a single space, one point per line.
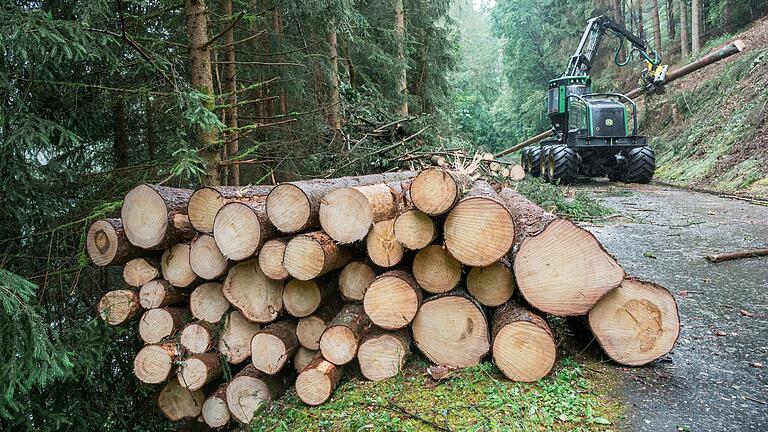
202 81
683 28
695 26
350 66
401 86
230 87
334 100
120 133
638 13
671 20
656 25
617 13
277 24
151 141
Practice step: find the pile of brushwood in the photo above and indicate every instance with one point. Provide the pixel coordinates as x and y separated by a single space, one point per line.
241 292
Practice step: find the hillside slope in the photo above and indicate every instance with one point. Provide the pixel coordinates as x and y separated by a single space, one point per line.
710 129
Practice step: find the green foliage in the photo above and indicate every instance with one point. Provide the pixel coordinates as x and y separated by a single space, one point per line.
580 207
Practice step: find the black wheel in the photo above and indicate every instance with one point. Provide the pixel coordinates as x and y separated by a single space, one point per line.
641 165
615 175
543 161
562 164
524 160
534 158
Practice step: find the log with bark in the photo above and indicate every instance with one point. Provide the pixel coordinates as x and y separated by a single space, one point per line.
382 246
273 346
314 254
302 358
154 363
635 323
206 258
215 411
207 302
107 244
436 270
451 330
294 207
479 230
199 370
317 380
341 338
271 258
206 201
241 228
257 297
235 339
414 229
493 285
155 217
748 253
158 324
347 214
177 402
392 300
311 328
250 390
119 306
139 271
302 298
437 190
175 266
158 293
522 343
197 337
354 280
382 354
559 268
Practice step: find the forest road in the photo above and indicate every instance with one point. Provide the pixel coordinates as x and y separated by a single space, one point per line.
713 379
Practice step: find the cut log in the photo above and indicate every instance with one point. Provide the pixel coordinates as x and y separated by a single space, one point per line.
155 217
516 173
302 298
197 337
206 201
493 285
158 324
107 244
382 355
392 300
273 346
271 258
436 270
451 330
199 370
158 293
250 390
215 411
235 339
341 338
257 297
294 207
175 266
241 228
414 229
479 230
382 246
206 259
155 363
437 190
311 328
208 303
559 268
119 306
302 358
523 347
347 214
176 402
314 254
139 271
354 280
635 323
316 382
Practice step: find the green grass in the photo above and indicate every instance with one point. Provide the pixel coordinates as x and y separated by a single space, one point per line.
551 197
475 399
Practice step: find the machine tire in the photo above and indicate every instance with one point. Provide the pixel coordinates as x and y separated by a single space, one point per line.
543 161
642 164
524 162
562 164
534 157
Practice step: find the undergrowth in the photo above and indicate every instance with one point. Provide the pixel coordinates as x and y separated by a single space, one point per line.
475 399
551 197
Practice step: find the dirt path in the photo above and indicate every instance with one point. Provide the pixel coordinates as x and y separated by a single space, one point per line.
709 382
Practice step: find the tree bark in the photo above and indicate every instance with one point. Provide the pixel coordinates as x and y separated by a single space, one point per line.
273 346
656 25
671 24
107 244
638 13
522 343
202 81
695 26
401 83
340 340
684 47
230 87
334 100
149 108
392 300
199 370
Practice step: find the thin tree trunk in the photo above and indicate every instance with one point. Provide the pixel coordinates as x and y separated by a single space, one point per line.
334 101
683 28
656 25
277 23
401 86
617 13
230 87
151 142
638 13
695 26
671 28
120 133
202 81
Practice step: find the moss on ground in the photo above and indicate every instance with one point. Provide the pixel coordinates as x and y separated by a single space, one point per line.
577 206
474 399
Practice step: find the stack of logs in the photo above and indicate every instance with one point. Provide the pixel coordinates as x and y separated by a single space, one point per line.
274 285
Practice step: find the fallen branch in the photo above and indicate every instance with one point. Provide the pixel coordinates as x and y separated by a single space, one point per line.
748 253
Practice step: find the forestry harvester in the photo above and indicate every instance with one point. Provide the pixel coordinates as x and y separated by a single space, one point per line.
595 134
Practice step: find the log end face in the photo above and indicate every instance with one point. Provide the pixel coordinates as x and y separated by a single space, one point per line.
414 229
175 265
116 307
101 243
207 302
493 285
237 231
354 280
436 270
196 338
382 357
245 396
206 258
304 258
524 351
268 353
479 231
152 294
309 330
202 208
382 245
215 412
313 387
271 258
390 302
139 271
338 345
145 217
155 325
301 298
177 402
302 358
434 191
193 374
288 208
153 364
346 215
